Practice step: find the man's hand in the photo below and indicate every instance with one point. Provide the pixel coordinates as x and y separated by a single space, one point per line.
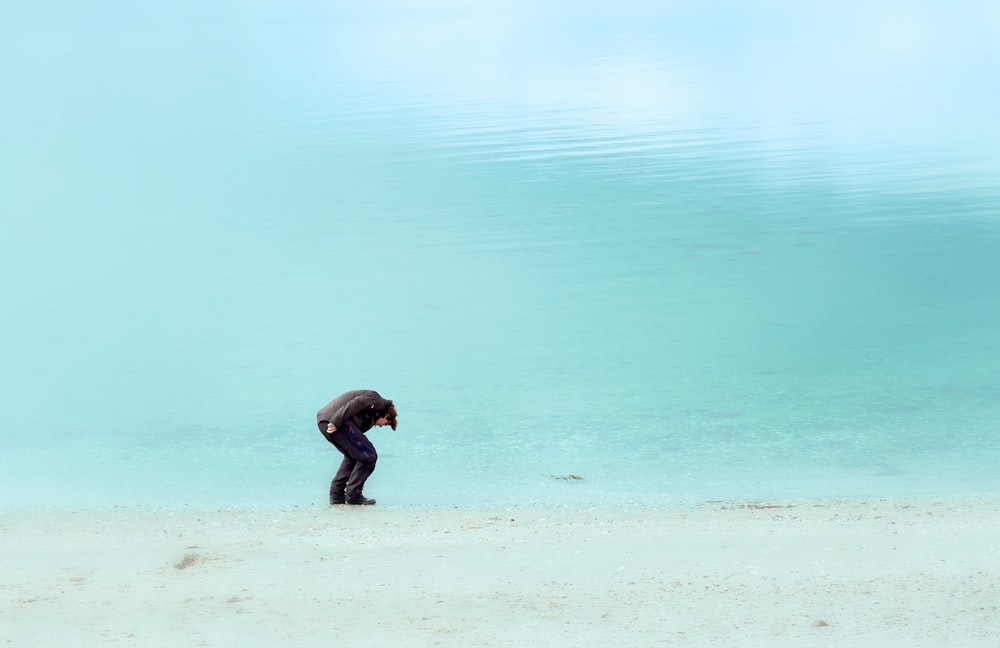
330 429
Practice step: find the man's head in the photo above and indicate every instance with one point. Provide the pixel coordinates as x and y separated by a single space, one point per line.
388 417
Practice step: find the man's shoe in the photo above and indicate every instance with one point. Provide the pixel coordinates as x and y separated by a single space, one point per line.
337 500
361 501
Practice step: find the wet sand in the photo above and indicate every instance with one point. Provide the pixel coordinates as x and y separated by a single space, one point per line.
885 573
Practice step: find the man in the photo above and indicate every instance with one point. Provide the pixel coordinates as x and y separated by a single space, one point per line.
343 423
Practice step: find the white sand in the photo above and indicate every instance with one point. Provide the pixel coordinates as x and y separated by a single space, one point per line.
831 574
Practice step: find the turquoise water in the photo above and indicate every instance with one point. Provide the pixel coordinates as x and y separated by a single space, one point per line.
685 252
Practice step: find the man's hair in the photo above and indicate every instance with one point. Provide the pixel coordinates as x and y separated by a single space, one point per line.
390 415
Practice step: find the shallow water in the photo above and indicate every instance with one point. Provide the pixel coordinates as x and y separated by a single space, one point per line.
743 251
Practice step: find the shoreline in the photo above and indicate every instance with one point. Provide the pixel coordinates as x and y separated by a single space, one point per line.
957 498
892 572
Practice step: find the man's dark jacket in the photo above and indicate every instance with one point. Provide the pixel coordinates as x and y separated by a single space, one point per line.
361 407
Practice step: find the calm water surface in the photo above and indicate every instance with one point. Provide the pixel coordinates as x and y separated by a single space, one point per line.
742 251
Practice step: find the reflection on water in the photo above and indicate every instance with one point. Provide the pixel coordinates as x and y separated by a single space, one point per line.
685 252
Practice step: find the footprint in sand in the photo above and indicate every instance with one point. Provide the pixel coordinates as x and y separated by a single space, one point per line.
188 560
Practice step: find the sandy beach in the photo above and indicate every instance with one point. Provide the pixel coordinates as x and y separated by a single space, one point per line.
886 573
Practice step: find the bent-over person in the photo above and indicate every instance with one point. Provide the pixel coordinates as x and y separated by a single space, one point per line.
344 422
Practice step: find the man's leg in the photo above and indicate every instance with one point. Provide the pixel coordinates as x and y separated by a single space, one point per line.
356 446
362 471
339 483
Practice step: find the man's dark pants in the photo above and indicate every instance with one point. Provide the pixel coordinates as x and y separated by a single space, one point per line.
358 464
